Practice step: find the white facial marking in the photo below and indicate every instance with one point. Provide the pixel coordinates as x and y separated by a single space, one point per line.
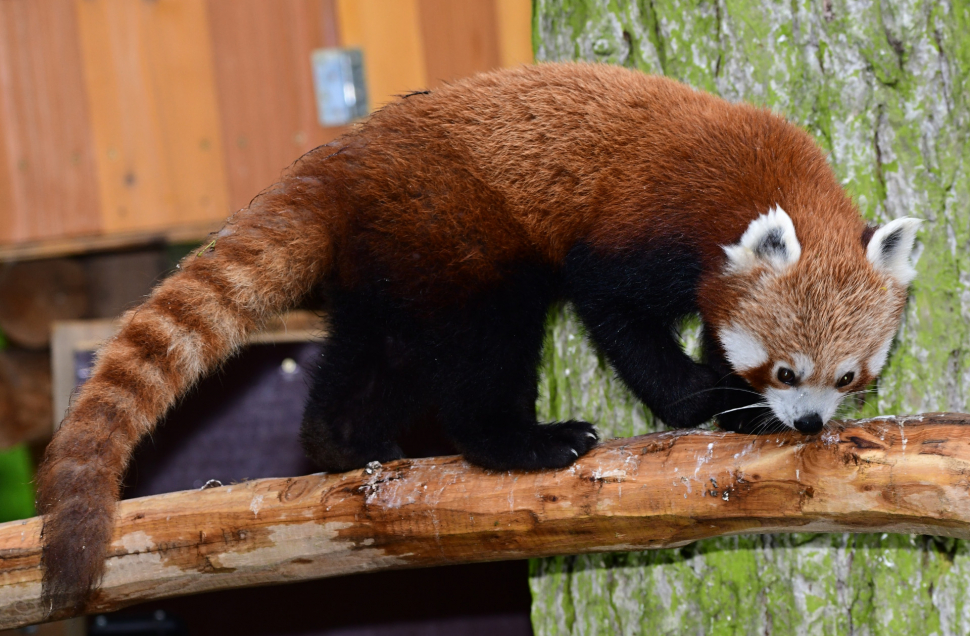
803 366
796 402
878 360
769 239
891 247
743 349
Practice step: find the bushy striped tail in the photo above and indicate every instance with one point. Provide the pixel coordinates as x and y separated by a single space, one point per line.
264 261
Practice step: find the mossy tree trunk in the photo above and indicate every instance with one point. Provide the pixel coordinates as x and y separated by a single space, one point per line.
884 87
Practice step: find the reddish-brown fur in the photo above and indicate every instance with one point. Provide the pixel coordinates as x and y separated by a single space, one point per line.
503 167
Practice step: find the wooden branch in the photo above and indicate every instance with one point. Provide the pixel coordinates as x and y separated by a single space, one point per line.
657 491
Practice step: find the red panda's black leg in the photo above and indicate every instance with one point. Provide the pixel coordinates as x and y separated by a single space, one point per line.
474 362
488 387
365 388
487 358
488 407
649 360
630 303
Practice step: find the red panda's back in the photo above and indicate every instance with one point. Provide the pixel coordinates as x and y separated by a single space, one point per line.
543 156
444 190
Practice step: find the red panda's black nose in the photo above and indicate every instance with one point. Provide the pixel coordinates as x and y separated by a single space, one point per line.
809 424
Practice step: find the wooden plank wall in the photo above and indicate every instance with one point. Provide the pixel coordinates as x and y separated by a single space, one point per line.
49 183
121 119
390 35
154 114
468 31
269 117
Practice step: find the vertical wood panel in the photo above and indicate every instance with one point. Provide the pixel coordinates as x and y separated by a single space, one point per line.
155 117
389 32
460 38
514 31
49 185
261 52
129 115
8 205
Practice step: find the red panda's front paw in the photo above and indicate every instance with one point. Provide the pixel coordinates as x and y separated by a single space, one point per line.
533 447
560 444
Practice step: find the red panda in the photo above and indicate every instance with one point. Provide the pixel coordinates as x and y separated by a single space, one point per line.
443 228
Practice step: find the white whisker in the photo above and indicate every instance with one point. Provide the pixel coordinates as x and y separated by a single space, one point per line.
716 388
759 405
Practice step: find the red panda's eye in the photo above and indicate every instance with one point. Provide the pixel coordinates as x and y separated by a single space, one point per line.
845 380
786 376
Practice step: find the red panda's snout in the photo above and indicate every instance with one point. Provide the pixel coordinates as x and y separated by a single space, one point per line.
803 399
806 327
801 392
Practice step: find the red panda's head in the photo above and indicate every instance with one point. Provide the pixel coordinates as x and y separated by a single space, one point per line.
809 324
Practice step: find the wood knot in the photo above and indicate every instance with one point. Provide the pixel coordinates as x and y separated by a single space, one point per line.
294 489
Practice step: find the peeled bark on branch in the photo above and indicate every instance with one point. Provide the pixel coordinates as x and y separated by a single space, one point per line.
661 490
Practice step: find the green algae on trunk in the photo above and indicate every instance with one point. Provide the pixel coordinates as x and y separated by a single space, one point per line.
884 86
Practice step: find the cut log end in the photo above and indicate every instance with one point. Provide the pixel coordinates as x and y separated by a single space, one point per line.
657 491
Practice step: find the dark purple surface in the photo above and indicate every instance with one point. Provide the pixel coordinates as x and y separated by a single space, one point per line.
241 423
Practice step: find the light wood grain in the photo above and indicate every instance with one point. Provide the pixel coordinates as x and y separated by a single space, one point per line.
125 119
460 38
49 187
8 204
155 119
261 52
389 33
662 490
514 32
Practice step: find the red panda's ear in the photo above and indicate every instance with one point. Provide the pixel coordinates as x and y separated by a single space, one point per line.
769 240
891 247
